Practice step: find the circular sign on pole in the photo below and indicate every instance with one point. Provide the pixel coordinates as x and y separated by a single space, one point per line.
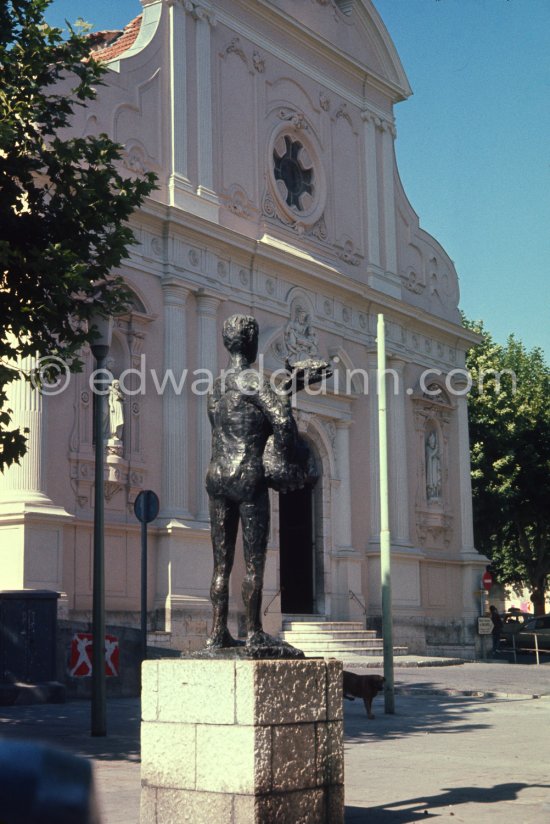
487 581
146 506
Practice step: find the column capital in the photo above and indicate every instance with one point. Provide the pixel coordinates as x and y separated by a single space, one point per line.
398 363
381 122
174 291
343 423
207 304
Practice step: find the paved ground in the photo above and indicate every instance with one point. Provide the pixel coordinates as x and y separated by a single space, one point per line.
442 754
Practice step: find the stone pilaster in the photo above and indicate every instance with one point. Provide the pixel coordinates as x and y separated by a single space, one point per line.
179 182
175 435
208 334
373 457
371 189
465 480
204 105
343 506
388 163
397 440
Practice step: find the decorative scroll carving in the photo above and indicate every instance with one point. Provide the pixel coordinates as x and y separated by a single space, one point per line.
411 282
258 62
343 112
236 200
346 251
296 119
234 47
324 101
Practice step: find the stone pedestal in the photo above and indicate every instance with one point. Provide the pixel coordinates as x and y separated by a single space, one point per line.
242 742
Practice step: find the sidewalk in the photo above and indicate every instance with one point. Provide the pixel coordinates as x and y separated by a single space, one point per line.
481 760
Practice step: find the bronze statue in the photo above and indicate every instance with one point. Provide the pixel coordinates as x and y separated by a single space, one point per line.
246 413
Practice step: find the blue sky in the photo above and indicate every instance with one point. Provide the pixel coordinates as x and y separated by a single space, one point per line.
473 143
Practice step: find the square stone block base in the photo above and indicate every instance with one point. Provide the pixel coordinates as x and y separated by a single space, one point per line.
242 742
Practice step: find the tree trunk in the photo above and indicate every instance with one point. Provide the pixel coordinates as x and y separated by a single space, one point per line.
538 596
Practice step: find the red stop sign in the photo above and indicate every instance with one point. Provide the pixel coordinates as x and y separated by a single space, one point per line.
487 581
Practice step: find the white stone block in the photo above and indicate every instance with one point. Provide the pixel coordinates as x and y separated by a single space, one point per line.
168 755
196 692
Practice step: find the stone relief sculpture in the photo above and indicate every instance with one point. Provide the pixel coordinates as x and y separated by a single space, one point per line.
433 466
255 444
300 338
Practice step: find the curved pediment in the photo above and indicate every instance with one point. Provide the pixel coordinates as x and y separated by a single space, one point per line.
354 29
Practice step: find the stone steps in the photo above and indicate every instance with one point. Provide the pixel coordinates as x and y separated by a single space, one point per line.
333 638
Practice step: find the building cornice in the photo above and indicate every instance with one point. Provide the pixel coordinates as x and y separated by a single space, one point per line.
287 259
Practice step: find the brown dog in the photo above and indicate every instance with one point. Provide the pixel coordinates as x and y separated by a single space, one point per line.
363 686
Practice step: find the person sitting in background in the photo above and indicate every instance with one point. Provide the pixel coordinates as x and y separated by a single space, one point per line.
497 627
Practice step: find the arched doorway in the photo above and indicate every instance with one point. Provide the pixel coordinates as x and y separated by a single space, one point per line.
297 551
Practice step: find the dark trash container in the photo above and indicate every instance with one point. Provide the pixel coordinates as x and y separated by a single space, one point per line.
28 633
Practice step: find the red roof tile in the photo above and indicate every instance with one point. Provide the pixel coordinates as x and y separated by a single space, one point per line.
106 45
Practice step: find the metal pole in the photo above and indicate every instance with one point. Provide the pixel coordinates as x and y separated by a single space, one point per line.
143 590
99 705
385 538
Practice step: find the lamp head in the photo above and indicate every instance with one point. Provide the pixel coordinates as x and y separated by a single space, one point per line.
102 329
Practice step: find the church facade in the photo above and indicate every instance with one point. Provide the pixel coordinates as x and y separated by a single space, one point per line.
270 126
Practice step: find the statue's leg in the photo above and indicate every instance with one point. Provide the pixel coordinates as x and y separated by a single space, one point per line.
224 523
255 526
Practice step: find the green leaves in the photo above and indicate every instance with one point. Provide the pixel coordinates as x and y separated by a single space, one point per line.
509 410
64 206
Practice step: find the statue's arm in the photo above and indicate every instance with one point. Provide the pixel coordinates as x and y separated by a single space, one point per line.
278 410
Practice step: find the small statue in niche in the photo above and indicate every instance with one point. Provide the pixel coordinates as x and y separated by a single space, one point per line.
300 338
114 409
433 466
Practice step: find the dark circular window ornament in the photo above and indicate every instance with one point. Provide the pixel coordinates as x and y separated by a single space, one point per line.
294 170
296 179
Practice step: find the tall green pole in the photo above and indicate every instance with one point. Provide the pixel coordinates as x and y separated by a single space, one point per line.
385 538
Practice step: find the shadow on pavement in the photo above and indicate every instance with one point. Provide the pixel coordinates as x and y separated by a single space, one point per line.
421 808
68 726
424 715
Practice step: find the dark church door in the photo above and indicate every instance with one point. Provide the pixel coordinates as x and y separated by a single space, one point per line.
296 551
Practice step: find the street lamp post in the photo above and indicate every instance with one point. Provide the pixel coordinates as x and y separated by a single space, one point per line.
100 349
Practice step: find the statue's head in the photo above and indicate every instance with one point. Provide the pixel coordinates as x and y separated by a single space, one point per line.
240 336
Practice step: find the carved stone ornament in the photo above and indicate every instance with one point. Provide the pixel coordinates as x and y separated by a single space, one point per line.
258 62
134 161
342 111
300 338
236 200
411 282
198 11
235 47
346 251
324 101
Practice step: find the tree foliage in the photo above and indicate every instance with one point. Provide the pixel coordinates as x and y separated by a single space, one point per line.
64 203
509 408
